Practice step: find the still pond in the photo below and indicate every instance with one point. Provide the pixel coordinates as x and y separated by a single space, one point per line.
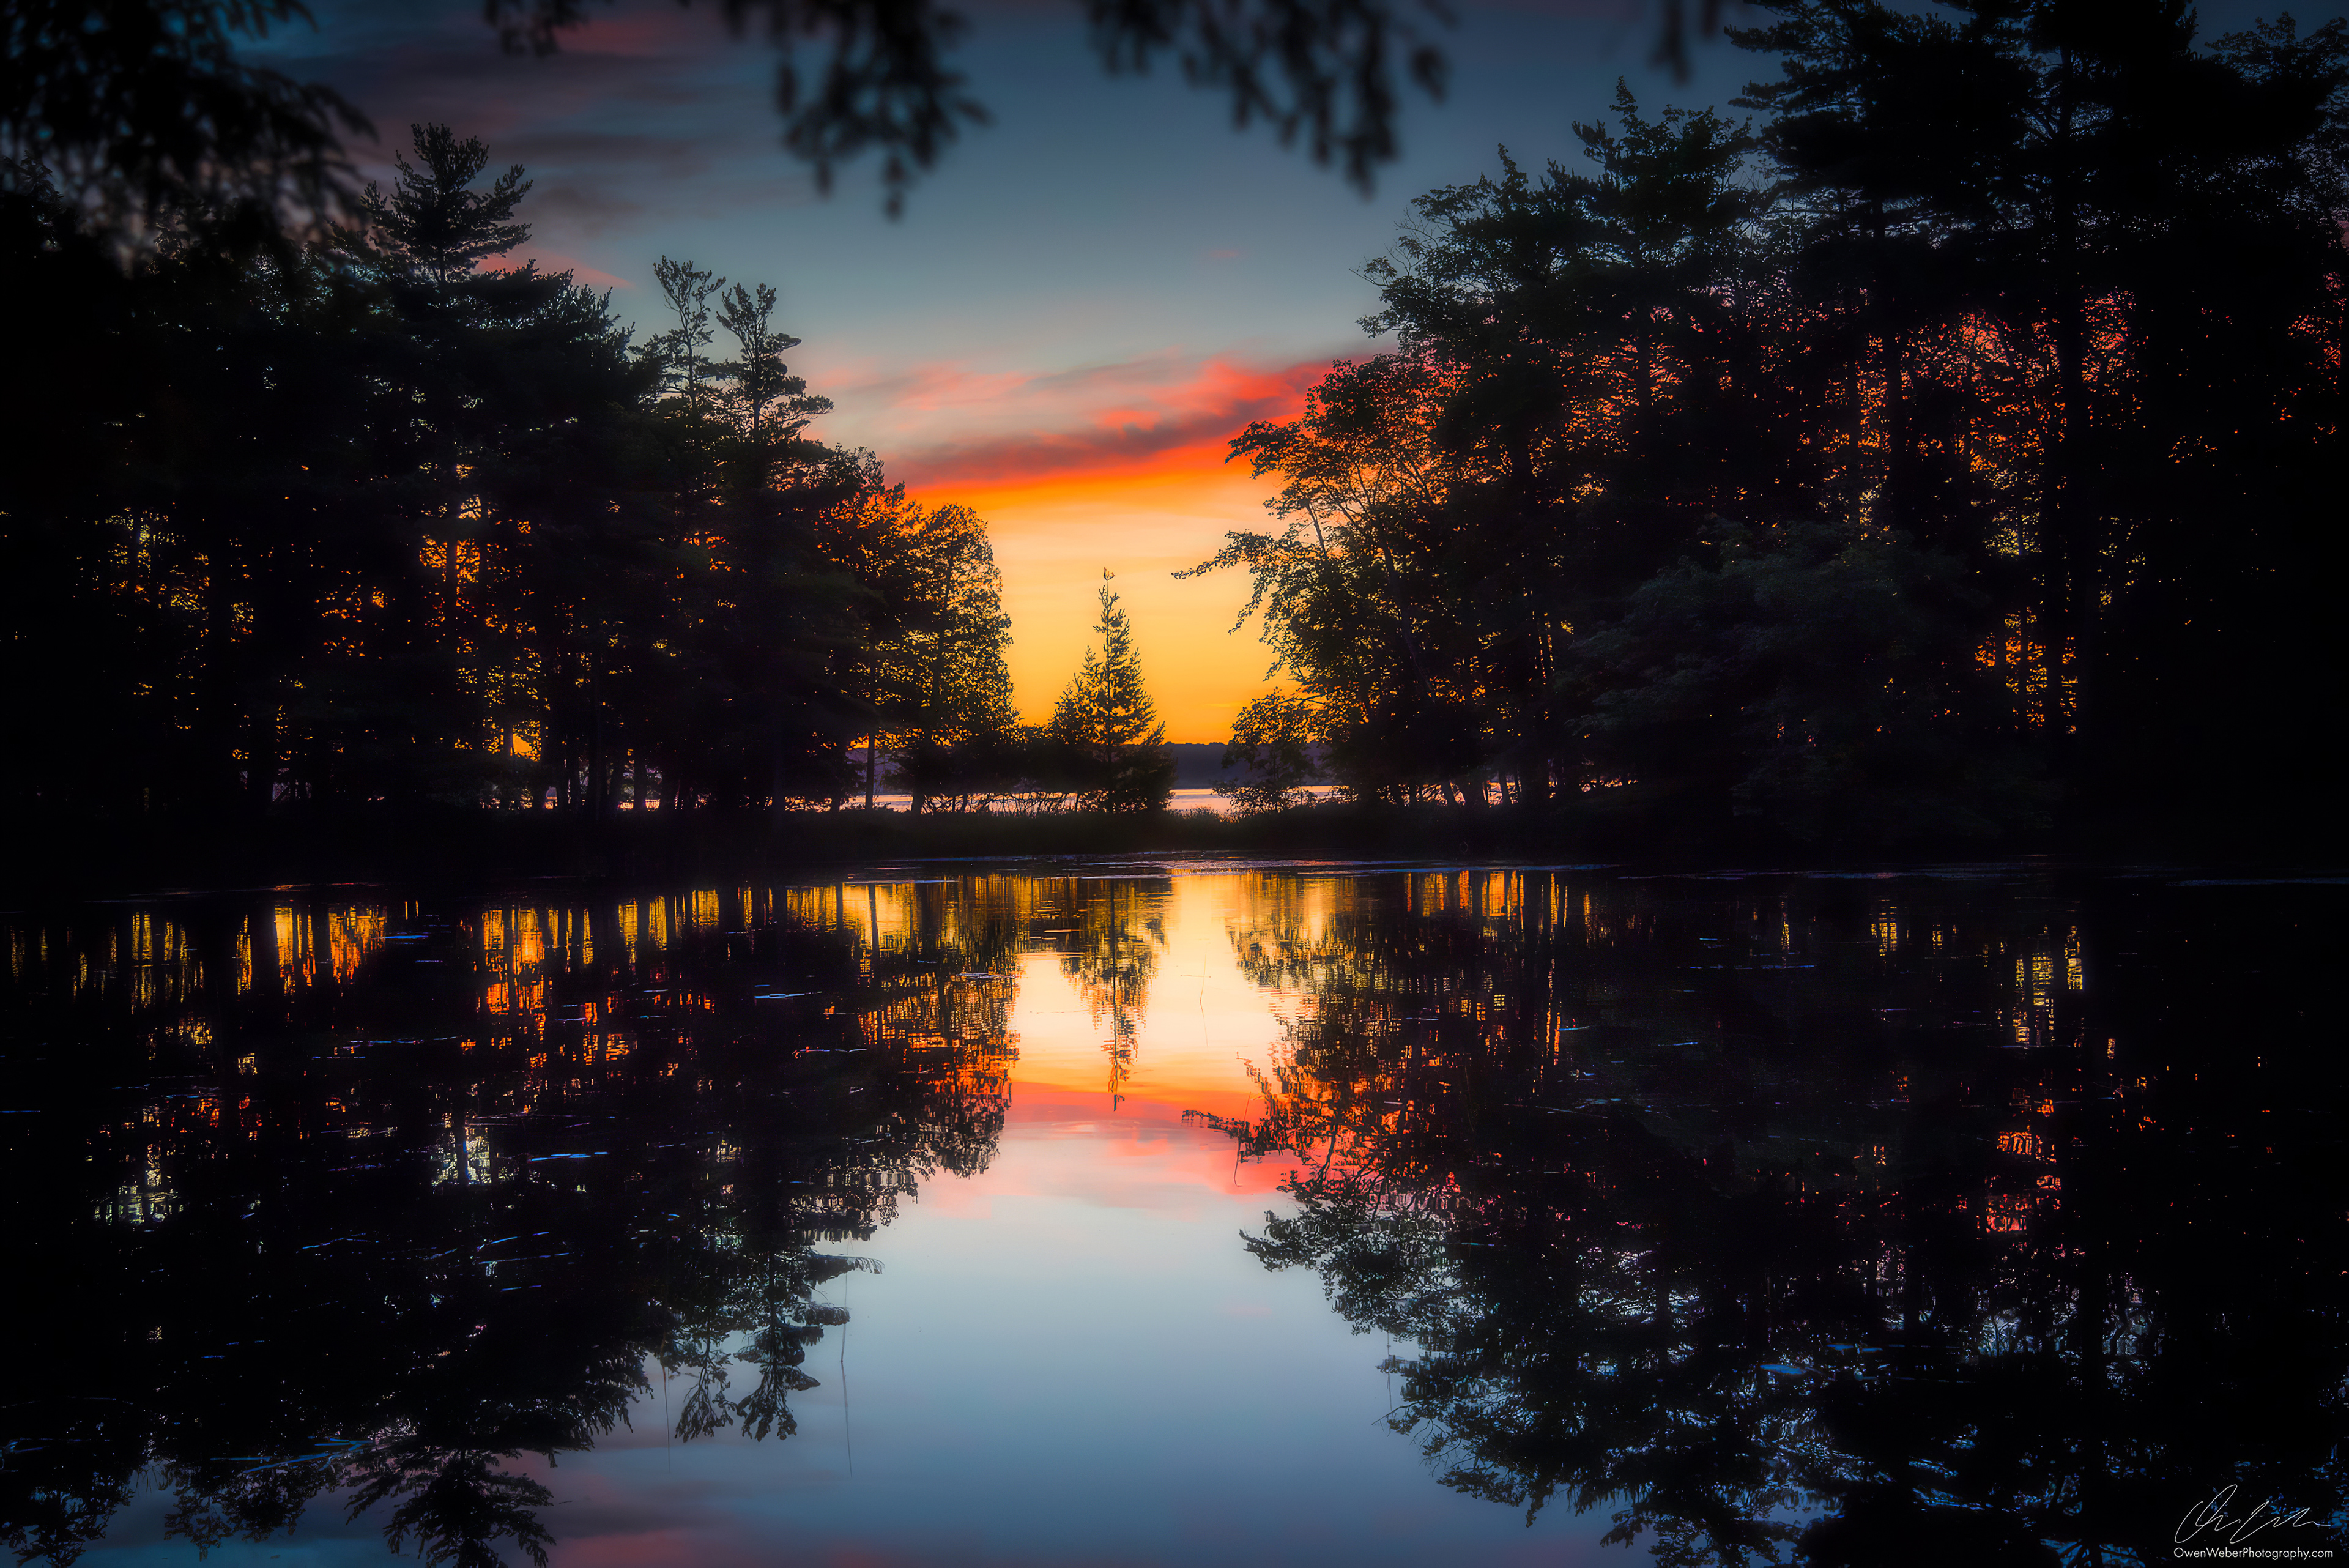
1150 1212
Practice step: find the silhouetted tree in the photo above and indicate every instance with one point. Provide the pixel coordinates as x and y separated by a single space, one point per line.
1962 327
144 124
382 524
1107 725
1272 744
950 692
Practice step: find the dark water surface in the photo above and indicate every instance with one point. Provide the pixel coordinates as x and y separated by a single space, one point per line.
1156 1214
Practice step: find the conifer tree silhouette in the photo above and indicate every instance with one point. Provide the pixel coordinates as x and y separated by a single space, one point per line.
1107 718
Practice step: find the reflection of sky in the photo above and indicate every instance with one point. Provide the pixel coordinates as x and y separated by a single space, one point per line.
1201 1020
1076 313
1068 1359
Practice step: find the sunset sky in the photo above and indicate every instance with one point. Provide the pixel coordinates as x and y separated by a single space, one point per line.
1077 311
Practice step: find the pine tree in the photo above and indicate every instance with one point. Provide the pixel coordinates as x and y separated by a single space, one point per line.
1107 722
944 687
767 404
434 226
686 368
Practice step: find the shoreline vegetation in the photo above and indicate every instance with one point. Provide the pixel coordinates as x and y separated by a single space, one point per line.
55 858
1933 465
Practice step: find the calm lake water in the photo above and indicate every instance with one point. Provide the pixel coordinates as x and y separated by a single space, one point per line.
1145 1212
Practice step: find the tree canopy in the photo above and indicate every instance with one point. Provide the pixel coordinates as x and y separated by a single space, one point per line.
1969 421
1113 743
382 523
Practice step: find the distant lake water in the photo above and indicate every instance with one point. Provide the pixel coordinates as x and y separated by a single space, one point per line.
1188 799
1143 1211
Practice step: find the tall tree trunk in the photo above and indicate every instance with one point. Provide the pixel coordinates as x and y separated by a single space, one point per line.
596 755
217 784
261 755
2066 521
781 763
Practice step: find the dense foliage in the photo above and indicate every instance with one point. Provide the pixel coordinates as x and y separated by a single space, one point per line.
1828 1219
1970 421
436 1186
1111 746
379 521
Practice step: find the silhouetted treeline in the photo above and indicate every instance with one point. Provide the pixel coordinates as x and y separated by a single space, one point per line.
1958 442
368 521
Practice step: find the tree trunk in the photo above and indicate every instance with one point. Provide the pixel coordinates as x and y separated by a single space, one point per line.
595 752
260 756
775 806
2064 522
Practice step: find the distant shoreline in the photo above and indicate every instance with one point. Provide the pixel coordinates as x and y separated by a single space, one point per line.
62 859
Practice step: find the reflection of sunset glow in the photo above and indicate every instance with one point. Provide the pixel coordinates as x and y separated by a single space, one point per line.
1196 1022
1492 1107
1182 1007
1205 1021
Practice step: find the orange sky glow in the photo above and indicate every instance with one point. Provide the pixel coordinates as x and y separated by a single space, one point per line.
1118 466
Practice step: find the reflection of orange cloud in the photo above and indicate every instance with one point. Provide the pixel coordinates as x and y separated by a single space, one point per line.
1162 1162
1202 1022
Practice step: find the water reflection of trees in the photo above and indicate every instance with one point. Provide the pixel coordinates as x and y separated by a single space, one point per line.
328 1196
1110 934
1965 1225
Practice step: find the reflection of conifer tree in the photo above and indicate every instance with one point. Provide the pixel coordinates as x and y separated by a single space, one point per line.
452 1502
1111 957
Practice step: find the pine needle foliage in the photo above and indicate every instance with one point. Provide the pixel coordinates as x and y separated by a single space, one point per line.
1114 741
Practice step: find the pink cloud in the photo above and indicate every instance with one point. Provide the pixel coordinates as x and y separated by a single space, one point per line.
644 34
1095 420
583 275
